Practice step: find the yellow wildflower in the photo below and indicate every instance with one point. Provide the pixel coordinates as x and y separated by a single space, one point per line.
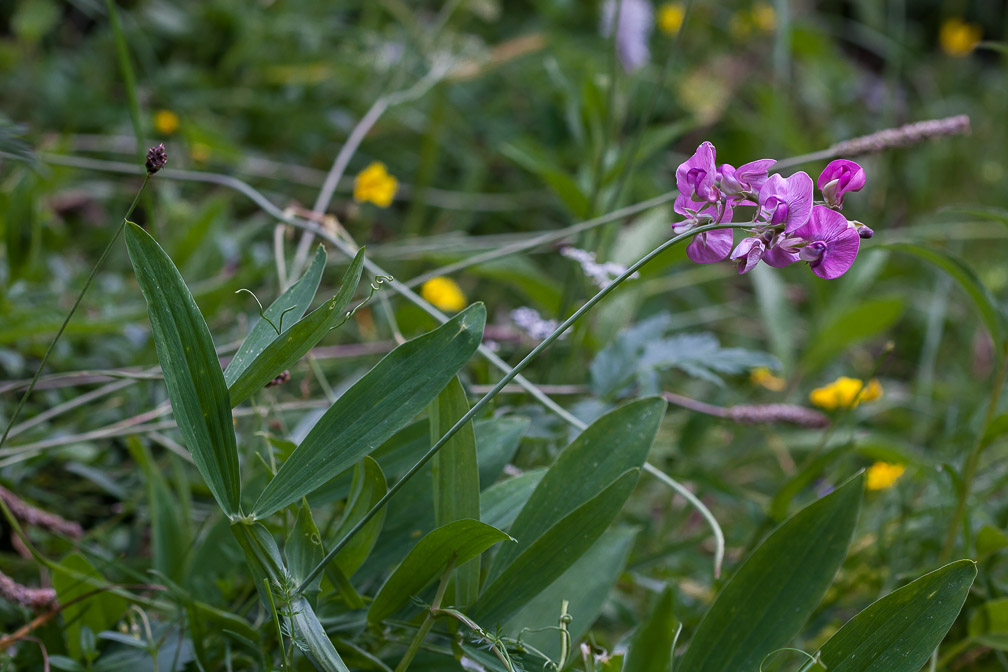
764 17
765 378
959 38
882 475
376 185
670 17
444 294
845 392
166 122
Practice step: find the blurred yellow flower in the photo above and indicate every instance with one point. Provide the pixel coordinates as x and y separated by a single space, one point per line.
376 185
444 294
166 122
670 17
765 378
959 38
199 152
845 392
882 475
764 17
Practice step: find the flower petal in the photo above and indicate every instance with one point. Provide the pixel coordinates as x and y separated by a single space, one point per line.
840 254
824 224
710 246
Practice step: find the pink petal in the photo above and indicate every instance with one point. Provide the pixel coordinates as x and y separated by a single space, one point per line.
711 246
824 224
840 254
799 199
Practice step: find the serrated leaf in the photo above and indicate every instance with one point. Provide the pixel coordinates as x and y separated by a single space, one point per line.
295 301
773 593
899 632
459 541
552 553
374 408
616 442
192 373
286 349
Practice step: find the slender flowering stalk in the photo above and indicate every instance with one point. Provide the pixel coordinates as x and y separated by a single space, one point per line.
155 161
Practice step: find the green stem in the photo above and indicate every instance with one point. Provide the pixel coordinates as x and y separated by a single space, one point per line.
73 309
428 622
973 459
129 79
478 406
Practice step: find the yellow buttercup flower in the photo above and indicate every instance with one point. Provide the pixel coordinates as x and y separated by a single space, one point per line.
882 475
444 294
166 122
959 38
374 184
764 377
670 17
764 17
845 392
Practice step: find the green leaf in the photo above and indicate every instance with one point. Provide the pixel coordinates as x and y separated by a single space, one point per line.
192 373
585 585
497 442
616 442
552 553
367 488
899 632
989 624
458 541
262 558
286 349
73 578
170 537
310 637
562 184
501 502
303 548
775 590
295 301
456 478
862 321
651 647
978 293
374 408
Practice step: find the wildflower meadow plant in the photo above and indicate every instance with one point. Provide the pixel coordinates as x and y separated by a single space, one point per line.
787 224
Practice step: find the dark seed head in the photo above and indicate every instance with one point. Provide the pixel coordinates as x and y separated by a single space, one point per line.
156 159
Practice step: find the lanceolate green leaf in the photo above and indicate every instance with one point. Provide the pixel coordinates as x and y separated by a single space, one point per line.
303 547
775 590
900 631
287 348
297 297
651 647
374 408
985 304
367 488
456 478
192 373
618 441
310 637
458 542
552 552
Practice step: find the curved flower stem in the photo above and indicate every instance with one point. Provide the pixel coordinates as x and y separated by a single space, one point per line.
73 309
511 375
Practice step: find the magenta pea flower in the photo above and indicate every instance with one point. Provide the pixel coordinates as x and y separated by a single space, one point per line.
748 253
747 178
783 250
786 200
831 245
838 178
695 179
709 247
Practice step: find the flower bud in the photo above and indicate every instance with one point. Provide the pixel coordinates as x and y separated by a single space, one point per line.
156 159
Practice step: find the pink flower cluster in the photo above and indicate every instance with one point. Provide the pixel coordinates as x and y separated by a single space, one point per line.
788 226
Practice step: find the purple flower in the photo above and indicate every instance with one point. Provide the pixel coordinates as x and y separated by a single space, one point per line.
838 178
749 177
710 247
786 200
832 244
748 253
783 251
633 28
695 179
